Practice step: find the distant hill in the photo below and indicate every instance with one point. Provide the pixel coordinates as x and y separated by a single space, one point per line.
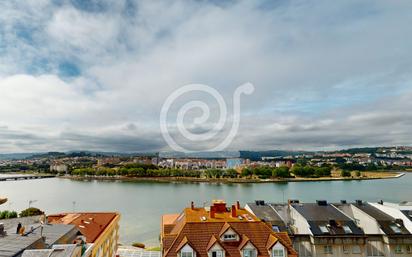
205 155
15 156
257 155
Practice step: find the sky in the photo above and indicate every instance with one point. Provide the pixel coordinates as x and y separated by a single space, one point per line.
94 75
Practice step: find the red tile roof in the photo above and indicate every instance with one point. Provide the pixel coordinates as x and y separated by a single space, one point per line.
91 225
195 227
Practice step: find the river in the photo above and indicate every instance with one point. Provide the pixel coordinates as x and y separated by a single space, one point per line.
141 204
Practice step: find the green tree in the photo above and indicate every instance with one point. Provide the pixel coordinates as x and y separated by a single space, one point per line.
31 212
4 215
281 172
230 173
345 173
246 172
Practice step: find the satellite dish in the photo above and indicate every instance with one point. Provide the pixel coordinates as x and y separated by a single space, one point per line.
3 200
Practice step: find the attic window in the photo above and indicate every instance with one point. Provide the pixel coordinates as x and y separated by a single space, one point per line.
275 228
278 251
229 237
324 229
396 229
217 253
347 229
186 252
249 253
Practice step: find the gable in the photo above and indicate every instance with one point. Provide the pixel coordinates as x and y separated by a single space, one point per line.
229 234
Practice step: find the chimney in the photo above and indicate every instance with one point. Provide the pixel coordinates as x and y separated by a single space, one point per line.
219 206
212 212
234 215
192 205
238 205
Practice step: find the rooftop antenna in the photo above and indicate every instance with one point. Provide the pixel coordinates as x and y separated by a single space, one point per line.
31 201
74 205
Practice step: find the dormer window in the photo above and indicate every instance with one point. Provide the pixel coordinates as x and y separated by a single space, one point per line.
217 253
278 253
229 237
278 250
249 253
187 251
228 234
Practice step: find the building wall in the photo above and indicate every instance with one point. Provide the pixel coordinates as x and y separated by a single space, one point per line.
299 222
338 251
369 225
106 244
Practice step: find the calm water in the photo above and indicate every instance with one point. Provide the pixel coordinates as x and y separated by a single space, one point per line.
142 203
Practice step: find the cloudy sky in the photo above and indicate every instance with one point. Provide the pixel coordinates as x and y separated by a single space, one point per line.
94 74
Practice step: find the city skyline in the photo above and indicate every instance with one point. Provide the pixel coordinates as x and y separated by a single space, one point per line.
93 75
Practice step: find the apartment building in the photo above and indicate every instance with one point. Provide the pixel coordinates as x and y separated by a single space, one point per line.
341 229
219 231
100 229
387 235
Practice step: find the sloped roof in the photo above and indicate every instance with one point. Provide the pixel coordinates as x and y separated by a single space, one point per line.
200 235
385 221
90 224
271 241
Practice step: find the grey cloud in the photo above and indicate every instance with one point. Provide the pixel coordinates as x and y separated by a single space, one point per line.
327 74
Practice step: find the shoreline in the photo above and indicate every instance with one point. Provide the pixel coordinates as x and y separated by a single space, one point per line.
392 175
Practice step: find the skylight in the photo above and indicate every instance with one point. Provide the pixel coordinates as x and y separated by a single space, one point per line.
396 229
324 229
347 229
275 228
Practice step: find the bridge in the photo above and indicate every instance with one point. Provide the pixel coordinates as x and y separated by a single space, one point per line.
25 177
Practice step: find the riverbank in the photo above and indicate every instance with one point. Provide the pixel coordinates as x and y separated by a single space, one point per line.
365 176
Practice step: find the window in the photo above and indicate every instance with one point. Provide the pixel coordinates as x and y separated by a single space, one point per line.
374 248
303 248
398 249
356 249
186 254
278 253
228 237
217 253
327 249
324 229
347 229
186 251
346 249
249 253
275 228
396 229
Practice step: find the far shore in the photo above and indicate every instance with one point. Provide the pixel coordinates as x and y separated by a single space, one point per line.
366 176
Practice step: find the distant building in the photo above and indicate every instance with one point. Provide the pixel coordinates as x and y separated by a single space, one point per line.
60 168
233 163
99 228
218 231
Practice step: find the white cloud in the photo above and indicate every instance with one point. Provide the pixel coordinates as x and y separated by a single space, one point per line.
326 74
